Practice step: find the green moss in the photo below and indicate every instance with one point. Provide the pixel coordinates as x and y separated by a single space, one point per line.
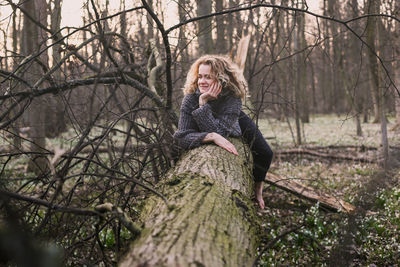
193 200
174 181
246 206
207 183
171 207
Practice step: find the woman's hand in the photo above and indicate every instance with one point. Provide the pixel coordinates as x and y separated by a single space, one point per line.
221 141
212 94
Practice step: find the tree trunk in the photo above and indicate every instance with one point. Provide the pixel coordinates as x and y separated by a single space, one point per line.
297 88
302 68
396 64
328 91
17 124
359 95
379 100
372 33
326 201
55 122
204 27
220 42
210 219
182 42
397 98
336 53
33 39
230 26
150 30
281 33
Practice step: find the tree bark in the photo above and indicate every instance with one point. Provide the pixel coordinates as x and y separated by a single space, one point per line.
33 39
55 122
326 201
302 68
396 64
220 43
297 88
150 30
327 84
210 219
379 100
359 98
337 56
230 25
17 124
182 42
204 27
372 34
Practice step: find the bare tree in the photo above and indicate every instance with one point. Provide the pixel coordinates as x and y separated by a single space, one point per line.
375 75
372 7
396 63
204 27
220 42
33 40
302 67
55 119
354 92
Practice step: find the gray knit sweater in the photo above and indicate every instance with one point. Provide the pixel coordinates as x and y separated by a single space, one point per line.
220 116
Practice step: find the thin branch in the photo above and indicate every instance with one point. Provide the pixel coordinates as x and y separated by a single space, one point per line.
57 36
343 22
41 202
167 47
250 7
7 75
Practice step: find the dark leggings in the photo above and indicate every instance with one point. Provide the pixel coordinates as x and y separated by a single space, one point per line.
262 153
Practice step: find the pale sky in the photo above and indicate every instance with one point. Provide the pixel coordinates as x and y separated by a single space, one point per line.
72 12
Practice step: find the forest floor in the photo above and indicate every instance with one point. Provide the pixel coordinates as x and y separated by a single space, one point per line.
301 233
295 232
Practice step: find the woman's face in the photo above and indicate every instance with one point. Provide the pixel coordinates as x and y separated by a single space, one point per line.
204 78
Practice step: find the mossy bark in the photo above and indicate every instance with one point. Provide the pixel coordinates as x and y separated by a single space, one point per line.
210 219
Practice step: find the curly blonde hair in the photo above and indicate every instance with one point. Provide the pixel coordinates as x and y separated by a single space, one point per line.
223 70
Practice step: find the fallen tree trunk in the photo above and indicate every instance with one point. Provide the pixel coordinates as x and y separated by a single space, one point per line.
326 201
300 151
210 219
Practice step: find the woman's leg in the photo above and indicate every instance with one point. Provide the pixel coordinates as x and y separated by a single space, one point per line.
261 151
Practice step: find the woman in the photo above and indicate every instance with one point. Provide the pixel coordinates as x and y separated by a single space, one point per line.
212 110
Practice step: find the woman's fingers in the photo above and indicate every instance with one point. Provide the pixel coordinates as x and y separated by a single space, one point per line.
235 151
232 149
212 94
225 144
218 88
215 89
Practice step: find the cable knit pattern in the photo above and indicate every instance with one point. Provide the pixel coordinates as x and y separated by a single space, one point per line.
220 116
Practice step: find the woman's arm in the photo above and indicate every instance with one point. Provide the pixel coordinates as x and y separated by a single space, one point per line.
188 135
220 141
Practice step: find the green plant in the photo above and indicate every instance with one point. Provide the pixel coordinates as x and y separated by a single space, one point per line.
378 234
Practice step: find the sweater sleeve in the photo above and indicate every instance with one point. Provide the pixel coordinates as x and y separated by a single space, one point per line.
225 123
188 135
